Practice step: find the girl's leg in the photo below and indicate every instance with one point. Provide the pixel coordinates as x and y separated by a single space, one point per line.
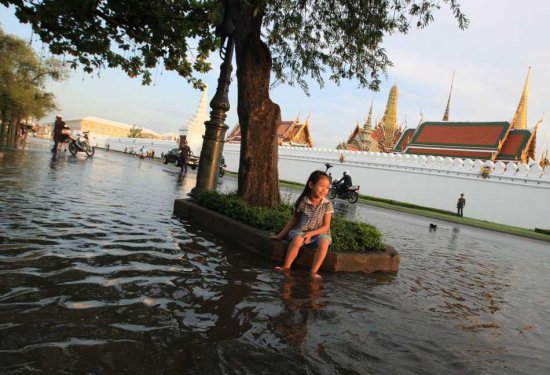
291 253
319 257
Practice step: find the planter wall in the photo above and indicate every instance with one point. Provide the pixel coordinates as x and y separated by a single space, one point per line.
258 241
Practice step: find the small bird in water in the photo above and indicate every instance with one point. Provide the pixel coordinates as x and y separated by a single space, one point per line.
433 226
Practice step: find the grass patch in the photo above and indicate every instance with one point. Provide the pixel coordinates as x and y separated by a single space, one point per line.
347 236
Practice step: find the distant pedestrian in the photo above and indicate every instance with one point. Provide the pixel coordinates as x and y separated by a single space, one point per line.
460 205
58 131
185 153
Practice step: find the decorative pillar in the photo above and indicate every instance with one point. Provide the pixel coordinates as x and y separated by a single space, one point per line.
214 136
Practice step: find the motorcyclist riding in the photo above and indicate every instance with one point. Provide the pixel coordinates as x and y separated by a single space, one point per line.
344 183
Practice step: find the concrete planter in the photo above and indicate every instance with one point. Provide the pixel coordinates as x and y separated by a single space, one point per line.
258 241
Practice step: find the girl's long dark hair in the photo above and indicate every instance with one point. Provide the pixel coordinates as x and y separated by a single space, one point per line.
314 178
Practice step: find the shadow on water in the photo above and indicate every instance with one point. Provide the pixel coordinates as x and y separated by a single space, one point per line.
97 276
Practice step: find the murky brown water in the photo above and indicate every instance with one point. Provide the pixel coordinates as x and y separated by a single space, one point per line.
97 276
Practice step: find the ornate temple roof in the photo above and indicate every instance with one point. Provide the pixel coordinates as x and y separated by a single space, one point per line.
404 140
472 140
293 133
477 140
514 146
234 135
383 136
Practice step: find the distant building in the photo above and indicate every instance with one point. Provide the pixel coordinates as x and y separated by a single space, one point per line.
289 133
496 141
361 138
101 127
384 136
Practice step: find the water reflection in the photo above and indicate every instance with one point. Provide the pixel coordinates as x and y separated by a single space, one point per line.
300 298
345 209
453 245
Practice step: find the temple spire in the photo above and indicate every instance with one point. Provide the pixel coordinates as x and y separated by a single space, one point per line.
387 132
194 128
390 115
368 124
446 114
520 117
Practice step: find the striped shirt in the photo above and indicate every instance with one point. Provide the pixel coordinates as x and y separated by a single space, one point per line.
311 217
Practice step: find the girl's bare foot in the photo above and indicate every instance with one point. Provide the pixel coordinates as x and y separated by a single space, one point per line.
281 269
316 276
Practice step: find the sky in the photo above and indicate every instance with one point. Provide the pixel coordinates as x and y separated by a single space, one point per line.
490 60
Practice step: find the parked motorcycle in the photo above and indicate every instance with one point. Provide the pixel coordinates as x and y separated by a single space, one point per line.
81 143
351 193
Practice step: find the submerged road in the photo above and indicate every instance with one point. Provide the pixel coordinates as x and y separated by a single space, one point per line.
97 276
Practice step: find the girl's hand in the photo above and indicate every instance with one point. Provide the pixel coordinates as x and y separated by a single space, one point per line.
307 238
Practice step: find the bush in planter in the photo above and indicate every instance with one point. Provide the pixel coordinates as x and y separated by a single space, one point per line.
346 235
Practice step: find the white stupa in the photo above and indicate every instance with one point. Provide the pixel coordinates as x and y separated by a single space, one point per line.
194 128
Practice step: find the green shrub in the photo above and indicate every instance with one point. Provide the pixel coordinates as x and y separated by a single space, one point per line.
346 235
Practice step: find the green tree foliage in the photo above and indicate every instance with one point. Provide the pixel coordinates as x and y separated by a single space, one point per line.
134 35
135 132
22 79
289 39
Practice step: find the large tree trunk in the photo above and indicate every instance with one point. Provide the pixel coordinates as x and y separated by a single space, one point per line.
3 125
259 117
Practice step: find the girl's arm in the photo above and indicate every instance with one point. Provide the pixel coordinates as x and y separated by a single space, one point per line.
321 230
284 232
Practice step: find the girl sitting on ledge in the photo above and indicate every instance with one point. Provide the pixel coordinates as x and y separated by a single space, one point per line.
310 223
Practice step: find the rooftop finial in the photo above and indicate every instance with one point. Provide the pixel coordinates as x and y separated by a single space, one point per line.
368 124
446 114
520 117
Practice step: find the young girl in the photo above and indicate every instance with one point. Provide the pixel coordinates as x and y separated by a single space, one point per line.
310 223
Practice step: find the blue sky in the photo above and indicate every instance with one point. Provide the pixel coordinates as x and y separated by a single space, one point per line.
490 60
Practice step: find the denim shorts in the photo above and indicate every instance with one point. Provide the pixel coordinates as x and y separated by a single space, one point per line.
314 240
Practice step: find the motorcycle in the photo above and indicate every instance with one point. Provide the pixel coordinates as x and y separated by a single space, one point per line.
81 143
351 193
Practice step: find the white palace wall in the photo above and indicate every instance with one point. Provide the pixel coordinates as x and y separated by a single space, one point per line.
513 194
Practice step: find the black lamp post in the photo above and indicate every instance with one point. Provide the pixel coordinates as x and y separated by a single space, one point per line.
214 136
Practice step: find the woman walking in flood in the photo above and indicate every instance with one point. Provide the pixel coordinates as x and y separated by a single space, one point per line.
310 223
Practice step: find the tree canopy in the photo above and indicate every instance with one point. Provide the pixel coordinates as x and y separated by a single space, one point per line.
135 132
22 80
306 38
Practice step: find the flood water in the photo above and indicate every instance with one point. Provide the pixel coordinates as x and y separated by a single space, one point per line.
97 276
